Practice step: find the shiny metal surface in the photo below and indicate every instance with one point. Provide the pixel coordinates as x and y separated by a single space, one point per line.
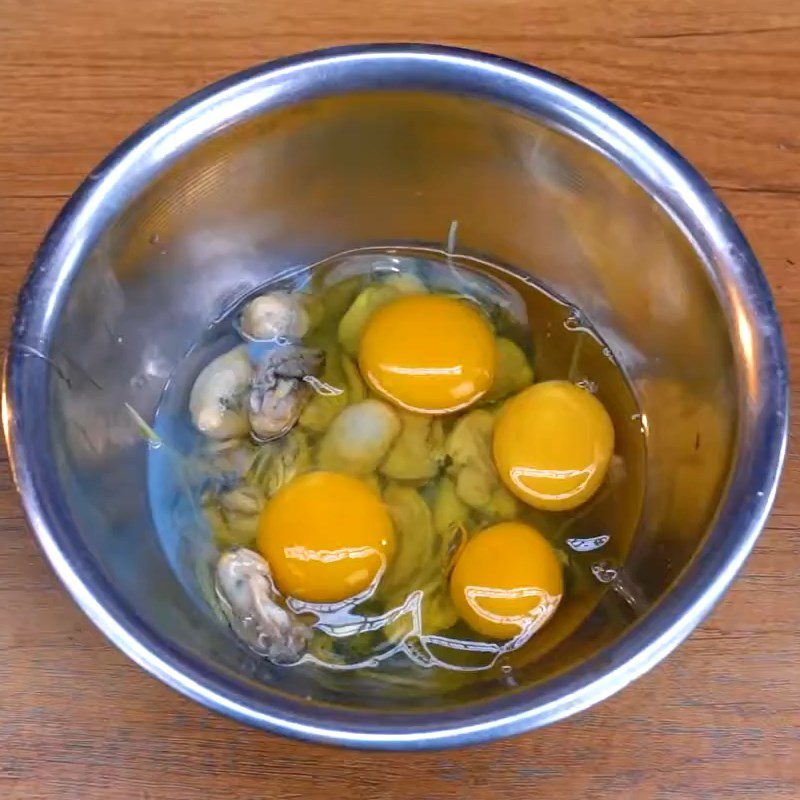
303 157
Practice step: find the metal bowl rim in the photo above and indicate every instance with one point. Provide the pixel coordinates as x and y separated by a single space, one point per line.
761 438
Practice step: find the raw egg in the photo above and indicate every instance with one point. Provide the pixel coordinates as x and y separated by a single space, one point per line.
552 445
428 353
326 536
507 581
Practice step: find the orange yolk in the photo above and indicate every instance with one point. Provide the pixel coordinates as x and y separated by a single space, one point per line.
428 353
326 536
552 445
507 581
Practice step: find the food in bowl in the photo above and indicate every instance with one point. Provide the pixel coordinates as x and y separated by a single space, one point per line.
399 460
292 161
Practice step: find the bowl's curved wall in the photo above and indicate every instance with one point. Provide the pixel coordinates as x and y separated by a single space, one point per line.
297 160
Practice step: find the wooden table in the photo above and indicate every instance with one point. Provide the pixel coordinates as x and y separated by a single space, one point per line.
720 718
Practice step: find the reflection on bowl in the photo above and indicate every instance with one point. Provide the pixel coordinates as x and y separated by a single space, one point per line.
312 155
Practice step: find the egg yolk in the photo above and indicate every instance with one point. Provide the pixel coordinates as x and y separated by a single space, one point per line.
428 353
552 445
507 581
326 536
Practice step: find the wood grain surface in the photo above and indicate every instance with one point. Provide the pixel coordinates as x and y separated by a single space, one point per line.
720 79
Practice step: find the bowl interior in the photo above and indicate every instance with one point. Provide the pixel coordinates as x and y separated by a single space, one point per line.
293 184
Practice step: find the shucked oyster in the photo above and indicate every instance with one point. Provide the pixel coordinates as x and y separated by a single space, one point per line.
216 402
277 314
359 438
280 391
249 601
471 467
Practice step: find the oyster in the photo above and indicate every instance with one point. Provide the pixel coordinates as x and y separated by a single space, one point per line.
477 483
512 371
249 602
276 315
359 438
280 390
370 300
418 452
216 402
233 515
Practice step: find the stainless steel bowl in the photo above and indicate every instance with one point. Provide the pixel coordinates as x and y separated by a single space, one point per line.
310 155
